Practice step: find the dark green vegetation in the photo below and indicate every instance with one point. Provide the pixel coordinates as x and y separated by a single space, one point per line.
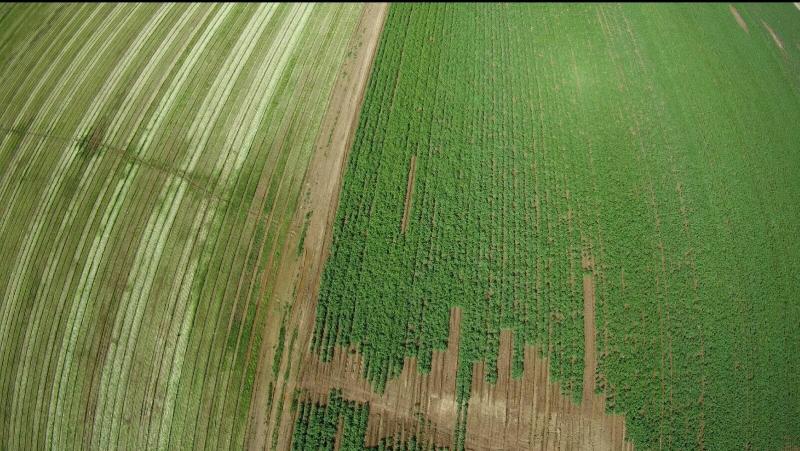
654 147
317 425
152 159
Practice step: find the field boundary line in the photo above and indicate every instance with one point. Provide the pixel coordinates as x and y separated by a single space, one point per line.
412 171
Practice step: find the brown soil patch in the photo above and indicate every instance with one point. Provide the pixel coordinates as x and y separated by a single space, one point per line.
774 35
396 411
587 260
739 19
297 283
525 413
412 170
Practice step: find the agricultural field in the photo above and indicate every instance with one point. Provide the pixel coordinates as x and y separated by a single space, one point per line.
156 165
602 200
407 226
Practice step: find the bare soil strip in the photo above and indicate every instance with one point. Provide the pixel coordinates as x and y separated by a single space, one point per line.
589 350
412 170
739 19
301 276
525 413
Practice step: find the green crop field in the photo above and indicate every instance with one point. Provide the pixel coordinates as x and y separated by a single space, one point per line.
151 160
654 148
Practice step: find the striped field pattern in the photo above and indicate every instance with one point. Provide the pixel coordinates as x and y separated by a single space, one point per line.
151 160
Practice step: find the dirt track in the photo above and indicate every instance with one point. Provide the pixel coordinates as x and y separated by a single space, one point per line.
298 279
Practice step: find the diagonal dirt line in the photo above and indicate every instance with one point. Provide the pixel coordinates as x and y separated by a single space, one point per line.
526 413
738 18
774 35
412 170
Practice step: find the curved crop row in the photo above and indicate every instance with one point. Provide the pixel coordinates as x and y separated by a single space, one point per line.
152 159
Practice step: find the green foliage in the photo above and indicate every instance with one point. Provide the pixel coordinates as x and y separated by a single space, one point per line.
276 361
316 425
660 140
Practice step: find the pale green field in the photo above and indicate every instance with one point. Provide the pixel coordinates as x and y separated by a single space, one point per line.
151 159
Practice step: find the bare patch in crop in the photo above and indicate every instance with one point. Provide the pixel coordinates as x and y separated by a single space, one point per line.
405 398
297 282
412 170
526 413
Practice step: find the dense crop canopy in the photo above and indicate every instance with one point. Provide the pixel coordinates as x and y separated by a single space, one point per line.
652 148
